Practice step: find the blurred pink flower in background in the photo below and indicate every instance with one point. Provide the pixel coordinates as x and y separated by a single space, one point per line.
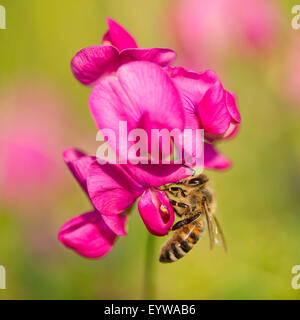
33 131
292 72
31 138
209 30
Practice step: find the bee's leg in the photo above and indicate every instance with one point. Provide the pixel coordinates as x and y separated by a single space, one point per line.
175 191
179 204
179 214
180 208
183 222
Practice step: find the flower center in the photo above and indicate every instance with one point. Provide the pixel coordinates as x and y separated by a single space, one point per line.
164 213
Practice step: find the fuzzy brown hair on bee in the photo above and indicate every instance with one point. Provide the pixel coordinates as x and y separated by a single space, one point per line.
194 202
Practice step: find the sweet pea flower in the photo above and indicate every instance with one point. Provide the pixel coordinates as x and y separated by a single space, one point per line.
209 31
113 189
118 47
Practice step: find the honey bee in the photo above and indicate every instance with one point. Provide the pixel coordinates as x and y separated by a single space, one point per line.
195 203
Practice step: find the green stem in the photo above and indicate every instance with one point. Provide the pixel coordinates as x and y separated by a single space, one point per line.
149 288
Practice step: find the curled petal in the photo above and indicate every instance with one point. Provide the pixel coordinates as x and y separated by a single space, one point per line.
162 57
91 63
214 116
232 107
156 212
213 159
78 163
118 36
111 189
232 131
88 235
206 98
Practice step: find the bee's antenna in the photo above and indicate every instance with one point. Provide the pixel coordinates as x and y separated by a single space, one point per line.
193 170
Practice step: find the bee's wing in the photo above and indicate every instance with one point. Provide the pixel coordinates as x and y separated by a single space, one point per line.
210 227
219 235
215 232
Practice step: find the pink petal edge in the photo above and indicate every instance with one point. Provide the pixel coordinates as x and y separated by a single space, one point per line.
91 63
118 36
78 163
87 235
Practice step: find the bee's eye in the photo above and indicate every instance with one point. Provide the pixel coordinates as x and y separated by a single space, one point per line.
195 182
198 181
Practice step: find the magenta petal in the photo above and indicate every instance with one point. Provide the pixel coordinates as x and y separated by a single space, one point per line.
116 223
118 36
141 94
78 164
156 175
213 113
72 154
111 189
162 57
232 107
87 235
156 212
205 93
232 131
91 63
193 85
213 159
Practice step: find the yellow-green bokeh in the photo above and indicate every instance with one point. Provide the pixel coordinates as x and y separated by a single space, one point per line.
258 199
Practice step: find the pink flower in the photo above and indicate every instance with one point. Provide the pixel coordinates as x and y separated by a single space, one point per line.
118 48
207 31
113 189
30 143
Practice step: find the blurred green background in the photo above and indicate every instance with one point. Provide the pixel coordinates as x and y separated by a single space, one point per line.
258 199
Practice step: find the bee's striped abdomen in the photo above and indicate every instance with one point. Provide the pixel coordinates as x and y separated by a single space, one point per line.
181 242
